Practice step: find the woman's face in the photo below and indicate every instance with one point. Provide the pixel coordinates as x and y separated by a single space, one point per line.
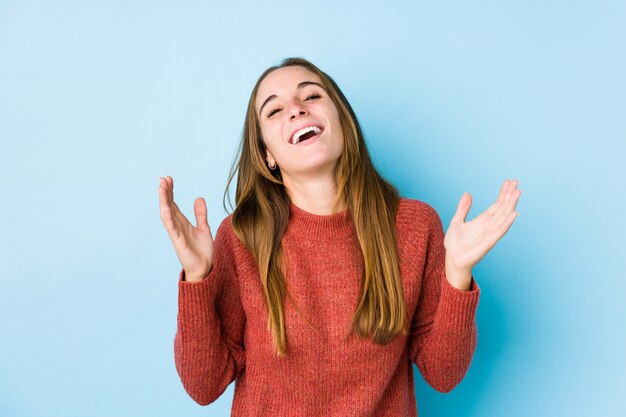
288 100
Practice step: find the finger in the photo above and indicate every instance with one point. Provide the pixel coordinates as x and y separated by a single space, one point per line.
169 210
505 207
463 208
509 207
512 197
503 189
507 224
170 196
511 190
164 184
162 190
170 188
166 212
199 209
164 193
515 195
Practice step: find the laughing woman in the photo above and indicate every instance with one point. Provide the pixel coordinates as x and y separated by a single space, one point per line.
324 286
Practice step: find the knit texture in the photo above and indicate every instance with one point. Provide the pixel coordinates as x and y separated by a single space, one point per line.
222 333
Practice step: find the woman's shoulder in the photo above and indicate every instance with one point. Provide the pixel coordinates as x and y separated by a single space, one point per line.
225 237
225 227
416 212
416 220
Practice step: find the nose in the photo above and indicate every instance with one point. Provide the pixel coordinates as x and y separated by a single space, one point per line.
296 110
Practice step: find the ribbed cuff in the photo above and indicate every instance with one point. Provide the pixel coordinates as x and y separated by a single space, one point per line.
457 308
195 301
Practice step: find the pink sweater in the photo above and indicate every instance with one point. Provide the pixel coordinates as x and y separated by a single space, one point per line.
222 333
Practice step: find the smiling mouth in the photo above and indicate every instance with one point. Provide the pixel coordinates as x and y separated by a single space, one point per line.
306 133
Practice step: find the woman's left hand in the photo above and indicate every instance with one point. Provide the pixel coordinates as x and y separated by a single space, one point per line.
467 243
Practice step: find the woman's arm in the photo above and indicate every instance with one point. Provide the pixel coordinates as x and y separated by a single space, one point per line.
443 333
208 345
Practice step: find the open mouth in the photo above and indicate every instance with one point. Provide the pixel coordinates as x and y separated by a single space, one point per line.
305 134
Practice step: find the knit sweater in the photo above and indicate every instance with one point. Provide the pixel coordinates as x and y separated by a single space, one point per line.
222 325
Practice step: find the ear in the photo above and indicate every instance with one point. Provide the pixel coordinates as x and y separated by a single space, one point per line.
270 158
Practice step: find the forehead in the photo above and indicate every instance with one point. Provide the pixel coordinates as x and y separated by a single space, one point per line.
282 81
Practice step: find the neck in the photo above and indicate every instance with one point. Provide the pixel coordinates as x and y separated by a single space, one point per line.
315 196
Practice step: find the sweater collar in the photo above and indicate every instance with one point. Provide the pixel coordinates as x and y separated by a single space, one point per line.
319 227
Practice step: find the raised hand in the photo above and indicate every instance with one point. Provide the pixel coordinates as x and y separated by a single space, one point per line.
194 245
467 243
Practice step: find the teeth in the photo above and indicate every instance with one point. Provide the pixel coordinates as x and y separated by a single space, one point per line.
295 139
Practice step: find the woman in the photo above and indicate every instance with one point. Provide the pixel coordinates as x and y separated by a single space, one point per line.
324 286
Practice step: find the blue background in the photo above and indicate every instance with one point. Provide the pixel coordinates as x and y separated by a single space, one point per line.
97 100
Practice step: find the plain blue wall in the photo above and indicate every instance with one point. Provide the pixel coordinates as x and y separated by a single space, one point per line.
99 100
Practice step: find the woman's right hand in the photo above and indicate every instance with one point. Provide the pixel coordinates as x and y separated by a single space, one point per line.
194 245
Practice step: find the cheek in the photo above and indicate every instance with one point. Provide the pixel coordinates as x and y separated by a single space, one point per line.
265 140
333 117
271 139
337 125
270 132
266 135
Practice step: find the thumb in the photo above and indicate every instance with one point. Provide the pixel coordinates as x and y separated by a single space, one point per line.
199 209
463 208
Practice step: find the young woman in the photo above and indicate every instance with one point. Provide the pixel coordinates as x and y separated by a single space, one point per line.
324 286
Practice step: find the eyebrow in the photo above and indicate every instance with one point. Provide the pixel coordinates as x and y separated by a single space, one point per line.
301 85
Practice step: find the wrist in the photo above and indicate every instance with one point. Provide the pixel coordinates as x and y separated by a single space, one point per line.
192 278
461 279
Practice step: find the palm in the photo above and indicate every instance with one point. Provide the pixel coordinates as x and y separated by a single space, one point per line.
194 246
467 243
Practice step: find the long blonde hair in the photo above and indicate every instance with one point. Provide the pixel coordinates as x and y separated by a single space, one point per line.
262 213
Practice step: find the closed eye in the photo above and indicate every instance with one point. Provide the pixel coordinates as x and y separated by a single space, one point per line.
312 96
272 112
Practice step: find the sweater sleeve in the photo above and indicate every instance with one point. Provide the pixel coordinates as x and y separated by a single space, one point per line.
208 345
443 330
